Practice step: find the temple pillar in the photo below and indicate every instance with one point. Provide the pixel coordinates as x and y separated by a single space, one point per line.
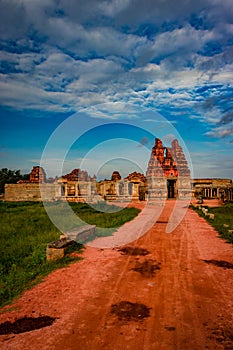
126 188
104 190
157 188
89 189
184 187
135 193
76 190
65 190
117 189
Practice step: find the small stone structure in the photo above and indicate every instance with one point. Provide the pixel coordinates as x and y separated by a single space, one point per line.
133 187
213 188
77 186
56 250
82 233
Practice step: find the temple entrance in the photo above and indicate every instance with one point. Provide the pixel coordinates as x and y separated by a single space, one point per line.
171 193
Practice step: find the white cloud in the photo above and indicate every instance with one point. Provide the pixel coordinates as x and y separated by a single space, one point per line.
76 54
222 132
113 7
184 40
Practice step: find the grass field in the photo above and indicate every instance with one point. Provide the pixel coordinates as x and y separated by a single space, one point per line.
223 220
24 233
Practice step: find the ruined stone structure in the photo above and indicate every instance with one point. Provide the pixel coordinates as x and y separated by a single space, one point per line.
76 186
168 174
213 188
116 176
30 190
37 175
133 187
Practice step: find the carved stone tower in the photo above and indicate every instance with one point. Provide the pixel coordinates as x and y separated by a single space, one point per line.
168 174
37 175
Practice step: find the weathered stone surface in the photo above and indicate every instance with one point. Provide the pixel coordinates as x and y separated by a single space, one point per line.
213 188
61 243
167 161
168 174
77 175
137 177
29 192
115 176
81 233
37 175
53 254
56 250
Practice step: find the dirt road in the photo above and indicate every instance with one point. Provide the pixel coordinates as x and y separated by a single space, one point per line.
166 293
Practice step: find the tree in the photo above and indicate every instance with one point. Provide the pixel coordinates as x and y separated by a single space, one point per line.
8 176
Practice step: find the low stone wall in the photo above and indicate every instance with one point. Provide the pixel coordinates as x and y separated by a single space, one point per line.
29 192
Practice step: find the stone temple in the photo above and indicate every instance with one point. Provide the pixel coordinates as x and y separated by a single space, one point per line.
167 177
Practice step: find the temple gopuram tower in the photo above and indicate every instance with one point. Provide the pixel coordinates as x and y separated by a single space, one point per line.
168 174
37 175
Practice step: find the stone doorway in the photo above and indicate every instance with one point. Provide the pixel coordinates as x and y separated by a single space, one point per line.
171 189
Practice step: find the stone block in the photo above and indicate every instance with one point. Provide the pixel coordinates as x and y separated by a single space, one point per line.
56 250
81 233
225 225
211 216
53 254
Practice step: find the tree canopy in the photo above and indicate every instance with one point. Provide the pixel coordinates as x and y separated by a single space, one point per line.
8 176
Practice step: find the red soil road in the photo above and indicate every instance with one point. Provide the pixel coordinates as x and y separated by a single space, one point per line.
190 301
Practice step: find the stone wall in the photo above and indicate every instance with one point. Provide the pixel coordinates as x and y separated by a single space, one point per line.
29 192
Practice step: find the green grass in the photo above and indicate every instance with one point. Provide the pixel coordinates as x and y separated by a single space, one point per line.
26 229
106 217
222 215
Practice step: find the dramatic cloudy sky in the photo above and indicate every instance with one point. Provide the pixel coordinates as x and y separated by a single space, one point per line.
60 57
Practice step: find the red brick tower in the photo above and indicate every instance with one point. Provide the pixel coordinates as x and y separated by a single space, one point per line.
37 175
168 174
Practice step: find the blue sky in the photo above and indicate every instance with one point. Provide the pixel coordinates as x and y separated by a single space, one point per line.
114 60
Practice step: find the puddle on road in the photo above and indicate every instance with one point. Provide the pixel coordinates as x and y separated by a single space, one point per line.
127 311
170 328
26 324
220 263
147 268
134 251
